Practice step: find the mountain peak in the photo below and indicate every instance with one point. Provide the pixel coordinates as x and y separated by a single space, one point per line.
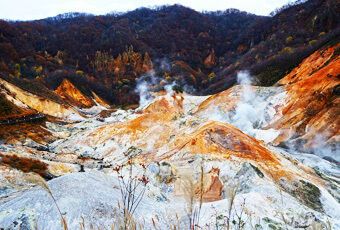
72 95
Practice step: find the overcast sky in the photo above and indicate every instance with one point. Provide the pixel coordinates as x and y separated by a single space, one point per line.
37 9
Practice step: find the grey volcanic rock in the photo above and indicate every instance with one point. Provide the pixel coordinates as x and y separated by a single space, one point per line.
91 196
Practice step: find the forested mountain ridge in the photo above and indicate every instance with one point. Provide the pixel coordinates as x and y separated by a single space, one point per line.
107 54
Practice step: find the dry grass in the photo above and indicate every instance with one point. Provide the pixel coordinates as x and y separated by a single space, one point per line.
38 180
193 193
231 192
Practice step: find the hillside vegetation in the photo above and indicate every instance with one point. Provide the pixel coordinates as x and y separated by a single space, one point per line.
107 54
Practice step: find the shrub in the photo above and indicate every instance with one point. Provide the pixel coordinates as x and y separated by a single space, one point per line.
37 70
289 39
287 50
17 70
212 76
80 72
125 81
313 42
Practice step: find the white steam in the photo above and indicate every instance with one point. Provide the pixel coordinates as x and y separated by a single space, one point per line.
149 83
143 88
169 88
252 112
322 149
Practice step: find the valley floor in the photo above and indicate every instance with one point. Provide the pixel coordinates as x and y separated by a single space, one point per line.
235 160
266 180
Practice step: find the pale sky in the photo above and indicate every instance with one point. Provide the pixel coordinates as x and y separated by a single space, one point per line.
37 9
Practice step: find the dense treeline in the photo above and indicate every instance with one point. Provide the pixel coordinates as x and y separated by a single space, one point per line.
107 54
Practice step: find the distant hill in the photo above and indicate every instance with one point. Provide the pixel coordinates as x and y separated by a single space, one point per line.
107 54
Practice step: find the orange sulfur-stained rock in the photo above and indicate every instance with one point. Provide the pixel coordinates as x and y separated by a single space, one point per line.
150 129
72 95
225 100
207 187
100 100
223 139
312 107
173 104
212 186
36 102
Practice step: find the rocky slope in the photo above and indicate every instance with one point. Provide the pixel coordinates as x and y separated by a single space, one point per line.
36 102
239 146
72 95
72 104
310 116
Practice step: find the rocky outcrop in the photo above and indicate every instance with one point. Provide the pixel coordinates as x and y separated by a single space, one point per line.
72 95
303 108
100 101
40 104
212 186
310 116
201 186
11 108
